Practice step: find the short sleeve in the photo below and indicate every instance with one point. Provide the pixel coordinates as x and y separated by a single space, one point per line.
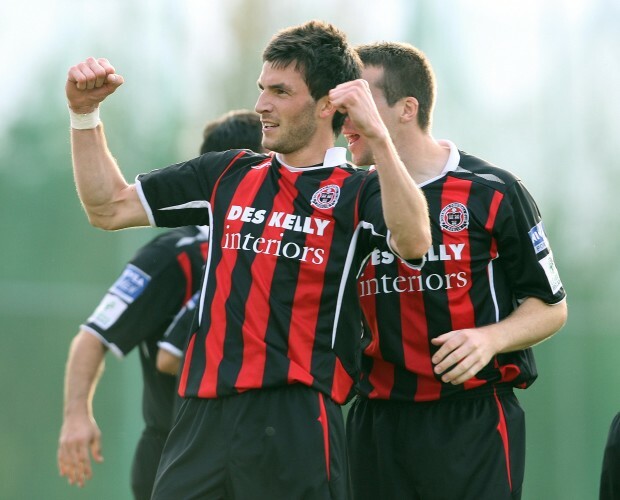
183 325
141 302
524 248
179 195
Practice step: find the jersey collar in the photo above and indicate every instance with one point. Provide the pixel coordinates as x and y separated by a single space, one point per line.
453 159
333 157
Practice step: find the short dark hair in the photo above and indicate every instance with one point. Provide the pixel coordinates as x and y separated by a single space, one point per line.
238 129
321 54
407 72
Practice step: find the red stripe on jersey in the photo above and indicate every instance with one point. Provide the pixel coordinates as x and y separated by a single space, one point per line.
473 382
493 209
185 371
214 342
342 385
325 428
502 428
381 377
204 250
186 269
416 349
257 318
509 372
459 301
306 303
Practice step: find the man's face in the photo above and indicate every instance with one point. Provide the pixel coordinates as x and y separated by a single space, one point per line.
288 111
359 148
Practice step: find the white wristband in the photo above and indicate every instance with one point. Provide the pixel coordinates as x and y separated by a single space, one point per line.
84 121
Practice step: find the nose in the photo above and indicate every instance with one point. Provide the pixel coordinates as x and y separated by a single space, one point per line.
347 126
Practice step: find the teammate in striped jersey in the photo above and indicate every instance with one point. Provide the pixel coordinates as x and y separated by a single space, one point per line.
136 312
436 417
277 345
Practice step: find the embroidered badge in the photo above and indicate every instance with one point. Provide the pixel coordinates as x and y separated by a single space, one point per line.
326 197
454 217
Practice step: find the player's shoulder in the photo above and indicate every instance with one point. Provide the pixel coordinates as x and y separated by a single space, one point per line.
361 173
238 157
484 172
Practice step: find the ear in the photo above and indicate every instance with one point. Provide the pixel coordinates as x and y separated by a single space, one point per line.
410 109
325 107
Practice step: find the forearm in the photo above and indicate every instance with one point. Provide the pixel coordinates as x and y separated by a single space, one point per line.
84 367
167 362
100 184
109 201
463 353
531 323
404 205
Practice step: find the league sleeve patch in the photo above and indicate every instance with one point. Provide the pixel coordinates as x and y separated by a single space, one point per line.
552 273
131 283
539 238
108 311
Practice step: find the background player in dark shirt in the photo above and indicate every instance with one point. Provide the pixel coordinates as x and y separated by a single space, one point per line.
609 488
175 337
445 345
279 320
135 312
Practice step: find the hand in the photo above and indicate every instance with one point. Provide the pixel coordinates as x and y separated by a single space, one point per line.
89 83
463 353
355 100
77 436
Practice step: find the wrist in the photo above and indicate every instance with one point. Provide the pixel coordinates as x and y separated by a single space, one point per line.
84 121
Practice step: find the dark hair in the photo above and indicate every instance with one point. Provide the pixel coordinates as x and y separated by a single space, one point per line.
320 53
238 129
407 72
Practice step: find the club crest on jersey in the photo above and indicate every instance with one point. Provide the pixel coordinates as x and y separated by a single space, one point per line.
454 217
326 197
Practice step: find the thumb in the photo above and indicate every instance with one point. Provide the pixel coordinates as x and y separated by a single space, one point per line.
114 80
95 450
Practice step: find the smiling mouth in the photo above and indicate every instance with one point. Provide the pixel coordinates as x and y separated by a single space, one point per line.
351 138
269 125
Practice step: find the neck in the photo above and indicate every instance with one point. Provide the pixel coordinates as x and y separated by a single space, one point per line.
312 153
423 156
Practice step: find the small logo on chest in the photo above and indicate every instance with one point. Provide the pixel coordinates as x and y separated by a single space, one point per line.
326 197
454 217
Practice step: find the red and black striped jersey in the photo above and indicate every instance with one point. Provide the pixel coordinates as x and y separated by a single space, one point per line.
279 303
489 252
159 279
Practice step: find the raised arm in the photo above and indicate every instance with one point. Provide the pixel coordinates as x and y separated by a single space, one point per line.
404 206
110 202
79 432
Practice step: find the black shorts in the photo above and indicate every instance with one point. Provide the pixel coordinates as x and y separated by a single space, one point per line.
285 443
468 449
145 463
610 473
